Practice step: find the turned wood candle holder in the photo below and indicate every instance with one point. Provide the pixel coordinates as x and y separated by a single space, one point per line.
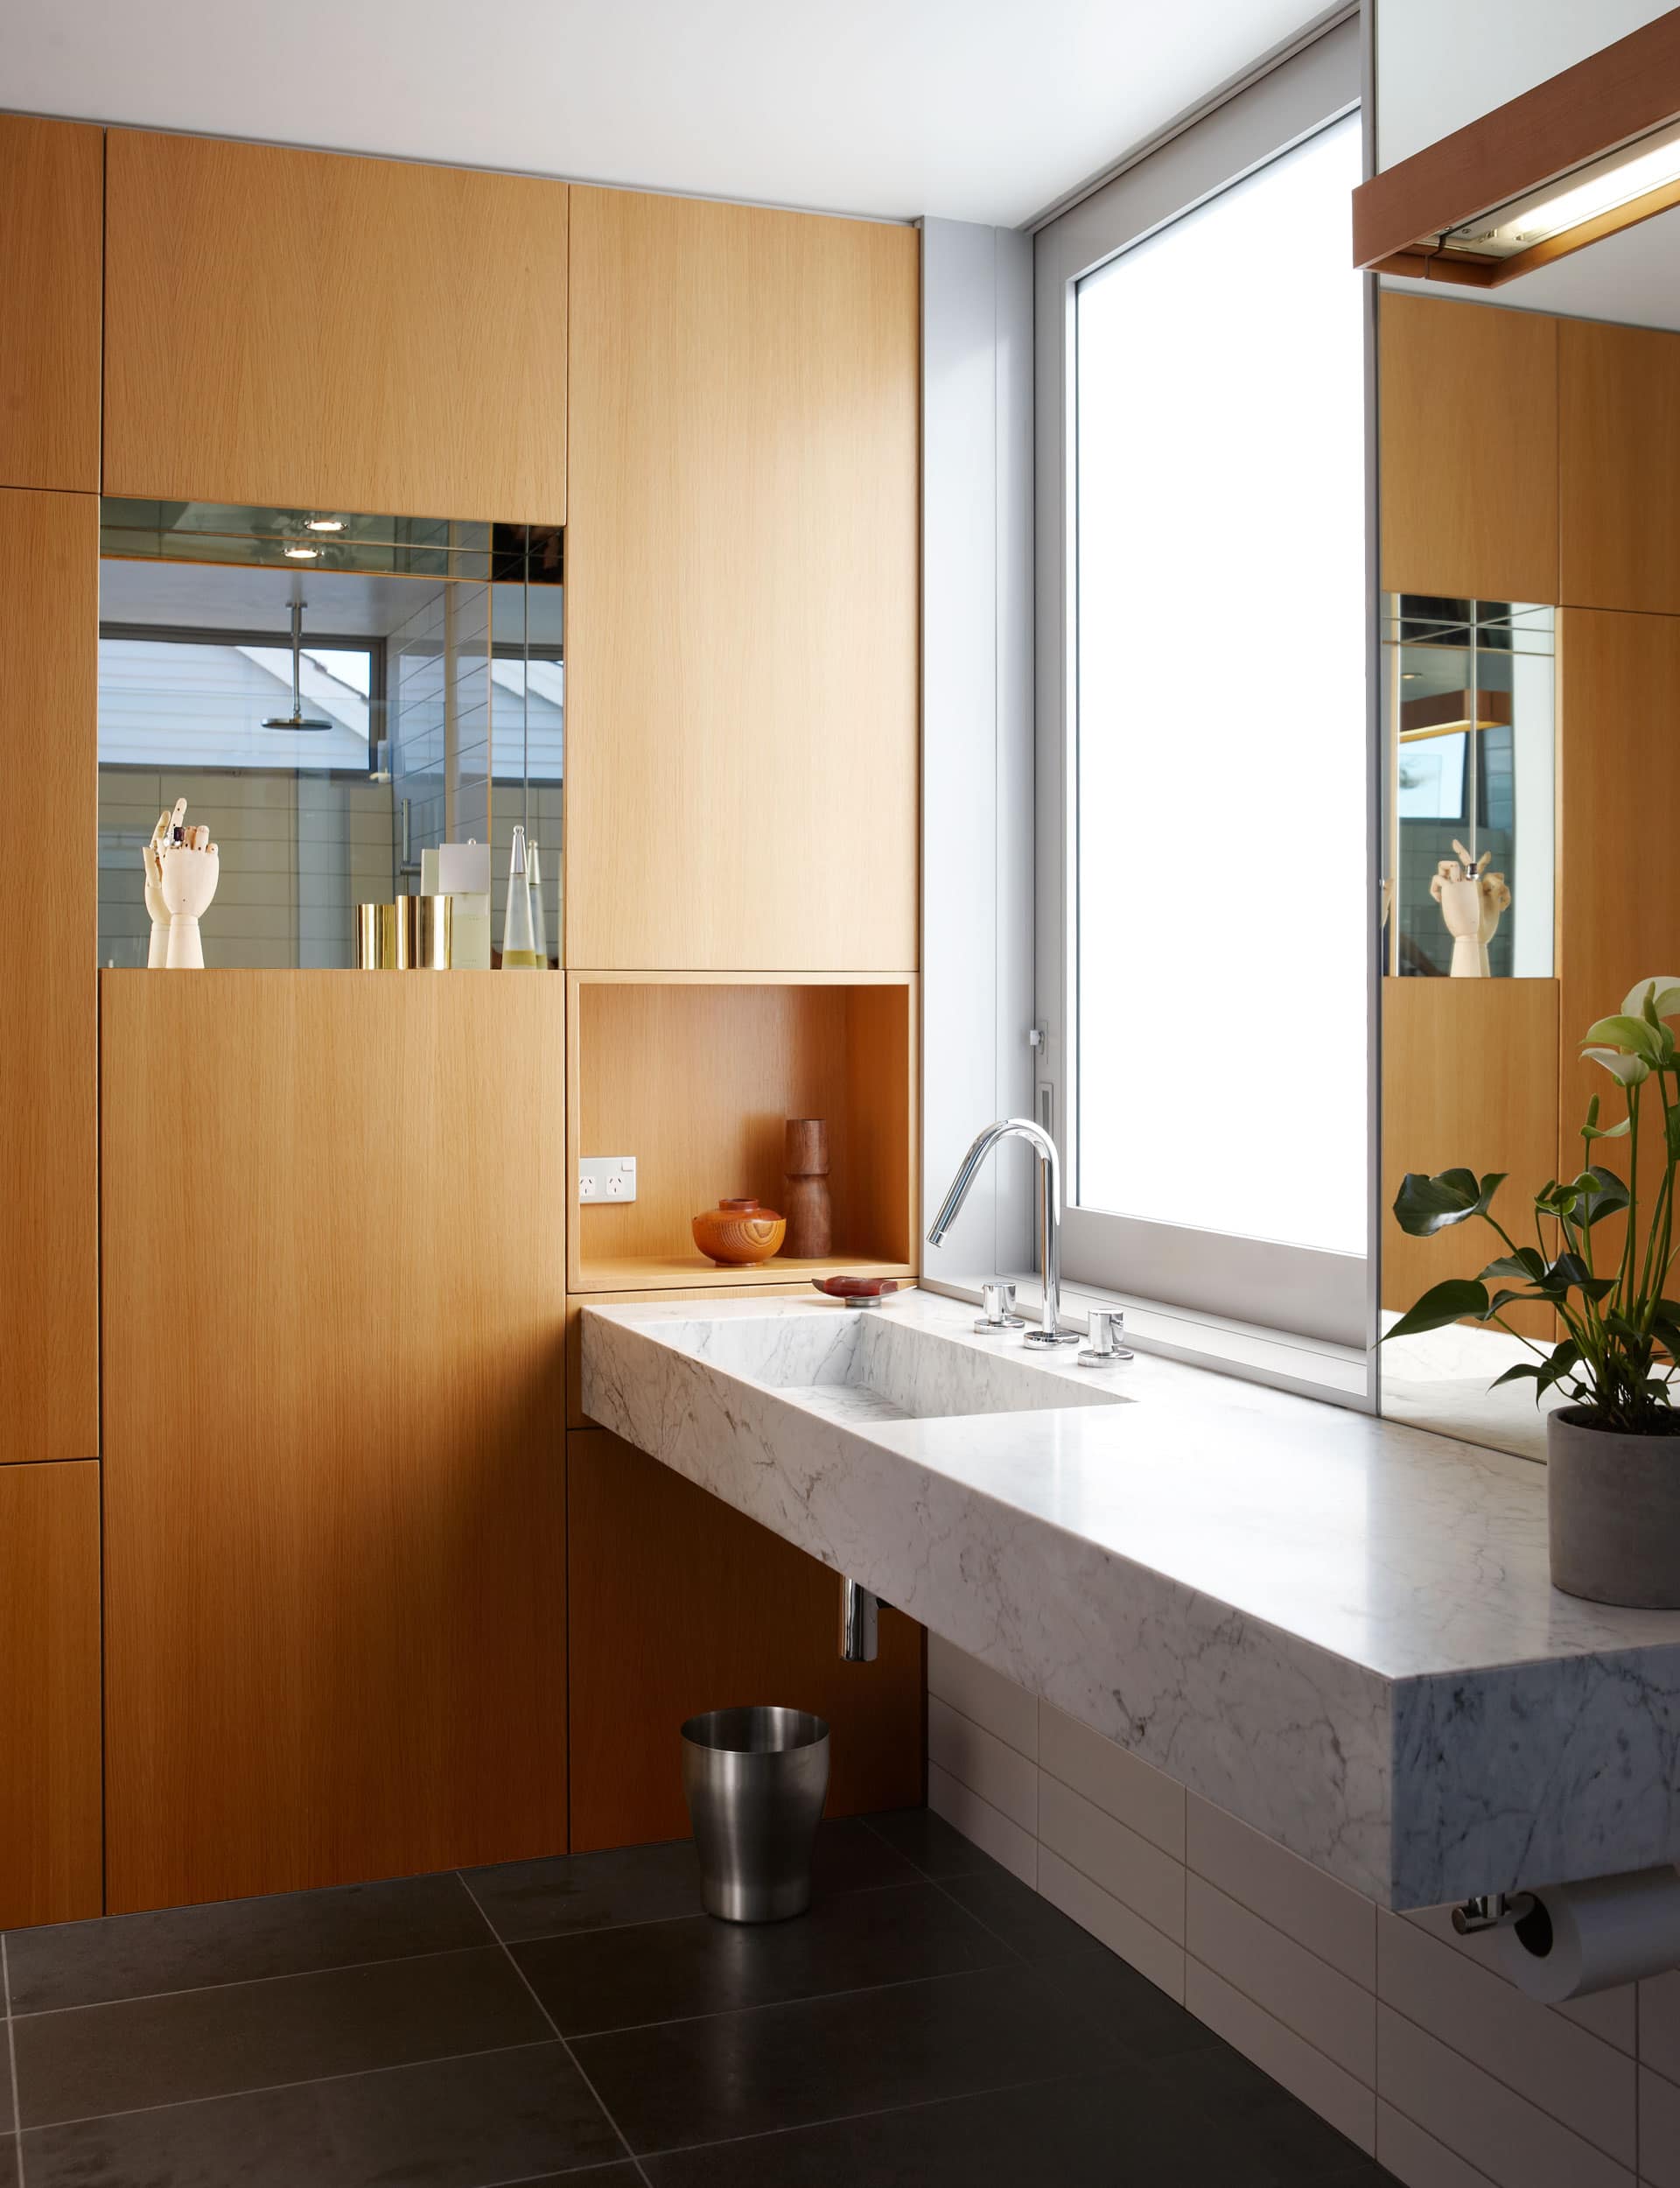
810 1218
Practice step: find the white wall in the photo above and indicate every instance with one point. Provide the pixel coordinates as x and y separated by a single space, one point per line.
1442 63
977 790
1388 2026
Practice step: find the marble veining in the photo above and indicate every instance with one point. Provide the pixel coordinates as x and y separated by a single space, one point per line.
1338 1628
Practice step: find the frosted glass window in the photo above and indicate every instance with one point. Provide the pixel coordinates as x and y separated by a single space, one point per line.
1220 866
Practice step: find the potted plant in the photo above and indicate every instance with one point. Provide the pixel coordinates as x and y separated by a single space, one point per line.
1613 1451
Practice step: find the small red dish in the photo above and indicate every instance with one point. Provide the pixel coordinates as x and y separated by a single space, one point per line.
856 1291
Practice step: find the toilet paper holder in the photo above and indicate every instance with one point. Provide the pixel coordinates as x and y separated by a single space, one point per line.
1491 1911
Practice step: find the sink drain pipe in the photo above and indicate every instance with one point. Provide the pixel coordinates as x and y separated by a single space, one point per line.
859 1624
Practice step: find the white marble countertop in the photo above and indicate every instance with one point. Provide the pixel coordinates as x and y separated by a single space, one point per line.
1340 1629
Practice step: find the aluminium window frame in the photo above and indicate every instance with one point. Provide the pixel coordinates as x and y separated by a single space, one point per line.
1302 1291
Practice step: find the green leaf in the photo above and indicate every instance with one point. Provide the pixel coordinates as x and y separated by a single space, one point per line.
1443 1303
1612 1131
1631 1033
1424 1205
1602 1193
1526 1262
1491 1181
1672 1126
1569 1273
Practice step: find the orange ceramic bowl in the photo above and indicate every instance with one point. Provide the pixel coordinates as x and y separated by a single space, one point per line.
738 1233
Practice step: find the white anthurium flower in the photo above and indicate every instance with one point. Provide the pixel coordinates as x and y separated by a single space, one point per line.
1630 1070
1665 986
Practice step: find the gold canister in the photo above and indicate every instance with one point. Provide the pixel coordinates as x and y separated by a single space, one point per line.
423 927
378 938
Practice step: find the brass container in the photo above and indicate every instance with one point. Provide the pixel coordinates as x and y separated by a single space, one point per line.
378 938
423 929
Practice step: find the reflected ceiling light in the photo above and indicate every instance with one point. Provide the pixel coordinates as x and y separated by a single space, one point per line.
302 554
1591 152
1615 184
323 524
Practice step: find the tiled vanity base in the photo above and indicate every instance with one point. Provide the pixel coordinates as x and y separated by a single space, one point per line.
1388 2026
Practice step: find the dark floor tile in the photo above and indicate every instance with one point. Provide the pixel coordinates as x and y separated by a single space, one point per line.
825 2058
452 2123
665 1971
1114 2001
8 2163
1252 2114
929 1842
589 1891
655 1883
1016 1914
1093 2132
238 1940
95 2059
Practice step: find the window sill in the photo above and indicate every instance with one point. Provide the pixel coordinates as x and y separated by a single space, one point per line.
1311 1367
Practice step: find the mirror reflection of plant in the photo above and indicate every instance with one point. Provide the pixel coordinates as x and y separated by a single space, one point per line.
1620 1355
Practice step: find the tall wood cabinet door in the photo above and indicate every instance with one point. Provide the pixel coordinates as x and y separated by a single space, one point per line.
741 564
1619 461
334 1493
1467 398
311 331
681 1603
49 666
49 1855
52 178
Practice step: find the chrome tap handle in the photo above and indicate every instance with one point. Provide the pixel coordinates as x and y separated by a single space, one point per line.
998 1304
1107 1345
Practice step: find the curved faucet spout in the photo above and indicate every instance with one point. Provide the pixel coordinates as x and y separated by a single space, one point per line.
1044 1146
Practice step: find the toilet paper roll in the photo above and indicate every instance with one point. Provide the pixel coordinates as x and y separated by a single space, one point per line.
1582 1938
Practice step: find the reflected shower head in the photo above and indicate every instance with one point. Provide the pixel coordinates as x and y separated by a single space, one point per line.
297 718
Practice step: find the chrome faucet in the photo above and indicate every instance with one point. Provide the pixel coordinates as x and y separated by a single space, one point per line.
1049 1329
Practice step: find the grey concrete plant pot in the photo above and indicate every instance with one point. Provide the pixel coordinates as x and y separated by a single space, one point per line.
1613 1503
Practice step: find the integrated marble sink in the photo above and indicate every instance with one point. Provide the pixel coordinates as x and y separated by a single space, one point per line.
863 1365
1338 1629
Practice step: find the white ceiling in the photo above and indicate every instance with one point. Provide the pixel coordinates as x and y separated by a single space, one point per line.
972 109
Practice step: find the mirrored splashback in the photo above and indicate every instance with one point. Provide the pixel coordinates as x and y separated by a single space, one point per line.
335 696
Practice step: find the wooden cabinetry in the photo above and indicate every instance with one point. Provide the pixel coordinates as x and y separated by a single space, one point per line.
1619 448
697 1076
334 1498
681 1603
49 1694
308 331
1467 398
742 589
49 638
51 177
1470 1081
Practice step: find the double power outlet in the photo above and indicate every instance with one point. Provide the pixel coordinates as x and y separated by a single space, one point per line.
607 1177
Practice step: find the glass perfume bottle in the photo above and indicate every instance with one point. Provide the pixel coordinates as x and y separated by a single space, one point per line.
539 916
518 943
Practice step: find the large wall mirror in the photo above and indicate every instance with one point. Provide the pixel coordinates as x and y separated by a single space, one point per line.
1530 694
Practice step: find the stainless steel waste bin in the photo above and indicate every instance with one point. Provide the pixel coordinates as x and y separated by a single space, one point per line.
756 1780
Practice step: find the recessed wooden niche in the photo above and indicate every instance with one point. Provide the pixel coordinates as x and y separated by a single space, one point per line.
695 1074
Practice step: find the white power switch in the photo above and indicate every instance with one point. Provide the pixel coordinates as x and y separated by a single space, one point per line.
607 1177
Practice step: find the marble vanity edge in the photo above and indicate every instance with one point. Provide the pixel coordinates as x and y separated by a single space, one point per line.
1288 1736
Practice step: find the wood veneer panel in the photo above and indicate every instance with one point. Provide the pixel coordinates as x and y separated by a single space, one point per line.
696 1078
50 1857
1625 88
681 1603
1619 467
1619 697
52 178
741 588
305 330
335 1570
49 1295
1468 404
1469 1080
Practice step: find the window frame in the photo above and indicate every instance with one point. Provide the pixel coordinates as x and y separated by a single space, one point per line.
1302 1291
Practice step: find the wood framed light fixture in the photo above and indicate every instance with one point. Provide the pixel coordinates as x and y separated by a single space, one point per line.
1580 157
